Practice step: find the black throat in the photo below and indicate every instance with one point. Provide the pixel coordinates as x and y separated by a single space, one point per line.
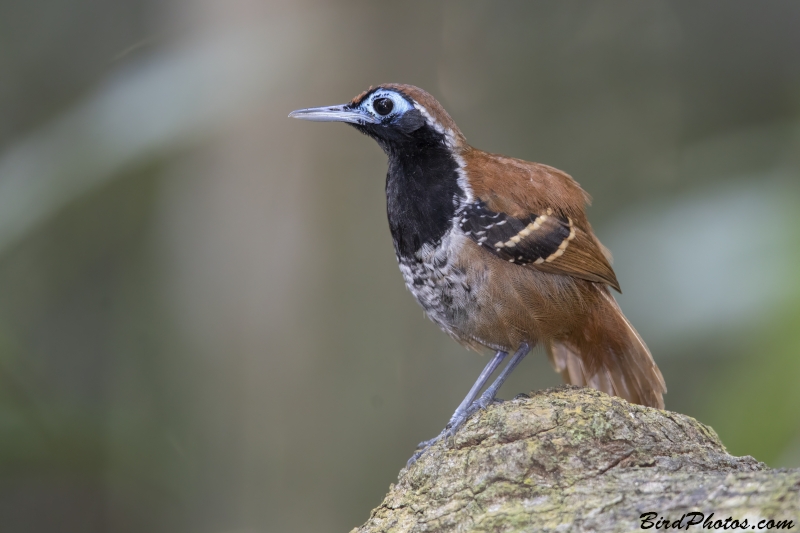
422 190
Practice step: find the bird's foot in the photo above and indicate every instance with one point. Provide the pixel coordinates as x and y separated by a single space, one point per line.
447 433
423 446
481 403
456 421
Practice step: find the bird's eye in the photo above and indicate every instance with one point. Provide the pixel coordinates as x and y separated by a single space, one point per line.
383 106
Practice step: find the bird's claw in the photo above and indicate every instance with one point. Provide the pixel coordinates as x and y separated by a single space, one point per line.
449 432
426 443
422 446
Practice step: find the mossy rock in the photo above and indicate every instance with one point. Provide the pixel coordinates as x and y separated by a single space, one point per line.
574 459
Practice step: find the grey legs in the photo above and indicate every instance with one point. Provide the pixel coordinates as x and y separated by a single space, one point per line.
470 405
488 395
461 415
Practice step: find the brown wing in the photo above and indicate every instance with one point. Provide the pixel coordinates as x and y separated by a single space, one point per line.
533 215
583 258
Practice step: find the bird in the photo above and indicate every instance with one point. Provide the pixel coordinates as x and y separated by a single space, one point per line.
499 253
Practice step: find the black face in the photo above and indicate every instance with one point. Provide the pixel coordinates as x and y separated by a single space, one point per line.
390 118
422 189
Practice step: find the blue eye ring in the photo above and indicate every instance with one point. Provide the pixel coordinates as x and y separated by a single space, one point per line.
384 104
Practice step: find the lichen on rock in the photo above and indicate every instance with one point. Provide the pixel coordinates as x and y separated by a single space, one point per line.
574 459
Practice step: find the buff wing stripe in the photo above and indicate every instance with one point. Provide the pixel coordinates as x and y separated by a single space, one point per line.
535 239
548 241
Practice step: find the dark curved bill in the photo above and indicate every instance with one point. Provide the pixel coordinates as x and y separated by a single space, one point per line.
336 113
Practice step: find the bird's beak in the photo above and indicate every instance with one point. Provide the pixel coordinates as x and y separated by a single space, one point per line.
336 113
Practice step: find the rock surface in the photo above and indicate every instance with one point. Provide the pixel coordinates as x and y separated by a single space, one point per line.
573 459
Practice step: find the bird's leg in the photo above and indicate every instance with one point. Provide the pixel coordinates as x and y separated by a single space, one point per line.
470 406
460 414
462 411
488 395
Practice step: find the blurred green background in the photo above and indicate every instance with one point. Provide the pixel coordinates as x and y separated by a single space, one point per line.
202 325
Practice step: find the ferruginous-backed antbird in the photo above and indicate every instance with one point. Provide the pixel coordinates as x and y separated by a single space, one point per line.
498 252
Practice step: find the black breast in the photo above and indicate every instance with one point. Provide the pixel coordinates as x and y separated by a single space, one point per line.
422 190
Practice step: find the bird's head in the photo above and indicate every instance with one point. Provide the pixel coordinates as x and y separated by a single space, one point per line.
396 116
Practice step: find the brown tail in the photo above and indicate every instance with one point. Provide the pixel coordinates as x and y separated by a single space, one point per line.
609 355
